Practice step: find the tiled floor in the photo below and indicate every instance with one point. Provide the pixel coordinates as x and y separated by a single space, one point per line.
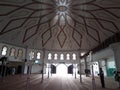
55 82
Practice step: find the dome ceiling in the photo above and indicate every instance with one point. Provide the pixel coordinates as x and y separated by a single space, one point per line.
58 24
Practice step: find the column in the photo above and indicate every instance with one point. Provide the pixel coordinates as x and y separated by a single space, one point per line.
116 51
86 67
51 69
43 65
75 67
103 65
80 71
106 66
48 66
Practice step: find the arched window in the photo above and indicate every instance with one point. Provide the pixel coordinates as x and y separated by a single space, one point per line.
74 56
38 55
4 50
49 56
12 52
20 53
68 56
31 55
82 53
55 56
61 57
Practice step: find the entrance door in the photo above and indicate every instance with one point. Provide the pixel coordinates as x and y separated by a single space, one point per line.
70 69
61 69
53 69
19 69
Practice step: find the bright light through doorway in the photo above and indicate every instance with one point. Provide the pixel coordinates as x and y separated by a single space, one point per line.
61 69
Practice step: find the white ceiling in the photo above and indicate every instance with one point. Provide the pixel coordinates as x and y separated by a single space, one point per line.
59 24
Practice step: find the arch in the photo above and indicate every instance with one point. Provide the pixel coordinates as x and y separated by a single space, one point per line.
20 53
12 51
67 56
61 56
31 54
61 69
55 56
49 56
70 69
53 69
4 50
38 55
74 56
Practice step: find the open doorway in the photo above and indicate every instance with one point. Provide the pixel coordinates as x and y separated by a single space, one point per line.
53 69
61 69
70 69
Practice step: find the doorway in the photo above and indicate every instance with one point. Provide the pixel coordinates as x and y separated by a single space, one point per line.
70 69
61 69
53 69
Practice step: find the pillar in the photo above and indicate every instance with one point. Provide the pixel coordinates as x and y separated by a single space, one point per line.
106 66
103 64
86 67
48 70
116 51
43 65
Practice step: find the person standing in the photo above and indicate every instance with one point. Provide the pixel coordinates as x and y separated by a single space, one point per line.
101 74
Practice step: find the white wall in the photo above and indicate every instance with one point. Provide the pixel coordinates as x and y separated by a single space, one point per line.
111 63
106 53
36 68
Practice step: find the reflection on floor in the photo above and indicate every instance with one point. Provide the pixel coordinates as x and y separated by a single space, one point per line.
66 82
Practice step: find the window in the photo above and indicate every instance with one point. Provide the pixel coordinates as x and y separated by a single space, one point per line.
20 53
55 56
4 50
82 53
49 56
31 55
38 55
61 57
74 56
37 62
12 52
68 56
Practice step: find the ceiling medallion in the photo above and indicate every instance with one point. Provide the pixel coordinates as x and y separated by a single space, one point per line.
62 8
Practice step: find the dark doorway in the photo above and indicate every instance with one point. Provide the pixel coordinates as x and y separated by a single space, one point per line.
53 69
70 69
19 69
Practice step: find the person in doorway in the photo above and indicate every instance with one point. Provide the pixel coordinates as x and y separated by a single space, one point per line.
101 74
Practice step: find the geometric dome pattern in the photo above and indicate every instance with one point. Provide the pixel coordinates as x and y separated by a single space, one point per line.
58 24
